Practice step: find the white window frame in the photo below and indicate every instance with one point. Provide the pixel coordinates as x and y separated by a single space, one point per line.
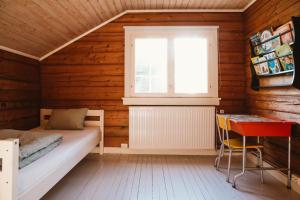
170 98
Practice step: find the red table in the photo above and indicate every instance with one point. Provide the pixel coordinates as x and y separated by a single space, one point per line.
251 125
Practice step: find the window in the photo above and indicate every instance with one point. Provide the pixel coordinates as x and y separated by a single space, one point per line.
190 63
151 65
171 62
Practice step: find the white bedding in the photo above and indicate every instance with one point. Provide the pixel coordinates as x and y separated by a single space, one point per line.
55 164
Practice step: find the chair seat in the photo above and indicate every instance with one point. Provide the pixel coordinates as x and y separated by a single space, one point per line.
238 144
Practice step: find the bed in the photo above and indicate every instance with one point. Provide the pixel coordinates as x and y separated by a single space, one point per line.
36 179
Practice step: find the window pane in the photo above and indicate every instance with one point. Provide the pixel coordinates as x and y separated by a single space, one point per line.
151 65
190 65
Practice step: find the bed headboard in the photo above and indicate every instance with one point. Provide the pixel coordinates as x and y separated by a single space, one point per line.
93 118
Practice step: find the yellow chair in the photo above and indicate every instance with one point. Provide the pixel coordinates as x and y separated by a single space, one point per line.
233 145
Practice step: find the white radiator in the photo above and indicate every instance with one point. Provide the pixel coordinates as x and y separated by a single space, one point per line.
172 127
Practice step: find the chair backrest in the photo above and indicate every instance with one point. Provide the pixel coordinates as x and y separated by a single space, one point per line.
223 123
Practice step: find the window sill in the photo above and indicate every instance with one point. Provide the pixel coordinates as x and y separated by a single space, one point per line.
184 101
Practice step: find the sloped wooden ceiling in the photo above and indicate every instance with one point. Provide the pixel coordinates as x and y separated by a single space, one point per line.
37 27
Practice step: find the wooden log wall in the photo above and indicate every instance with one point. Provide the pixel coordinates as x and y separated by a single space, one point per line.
19 91
90 72
282 103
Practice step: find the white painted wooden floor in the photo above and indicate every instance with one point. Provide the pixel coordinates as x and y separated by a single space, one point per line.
146 177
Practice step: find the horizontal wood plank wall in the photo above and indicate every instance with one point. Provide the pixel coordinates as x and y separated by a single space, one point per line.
19 91
90 72
285 102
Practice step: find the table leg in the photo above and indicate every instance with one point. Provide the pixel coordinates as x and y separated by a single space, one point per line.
289 165
244 163
258 158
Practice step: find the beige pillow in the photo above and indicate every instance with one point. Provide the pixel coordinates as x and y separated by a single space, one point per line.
67 119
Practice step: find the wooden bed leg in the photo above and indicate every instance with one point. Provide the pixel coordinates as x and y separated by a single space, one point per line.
9 154
101 152
101 146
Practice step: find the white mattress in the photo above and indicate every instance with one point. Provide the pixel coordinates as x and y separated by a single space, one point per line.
38 175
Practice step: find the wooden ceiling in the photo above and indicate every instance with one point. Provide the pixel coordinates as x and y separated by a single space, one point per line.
39 27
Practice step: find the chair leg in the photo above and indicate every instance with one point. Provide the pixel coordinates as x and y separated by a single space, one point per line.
258 159
229 165
218 159
261 166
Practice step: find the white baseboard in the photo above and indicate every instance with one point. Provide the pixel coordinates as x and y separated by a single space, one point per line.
279 175
118 150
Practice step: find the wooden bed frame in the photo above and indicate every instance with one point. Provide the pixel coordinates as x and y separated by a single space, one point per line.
93 118
9 154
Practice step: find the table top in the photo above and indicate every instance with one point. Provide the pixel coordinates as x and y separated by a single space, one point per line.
254 125
249 118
